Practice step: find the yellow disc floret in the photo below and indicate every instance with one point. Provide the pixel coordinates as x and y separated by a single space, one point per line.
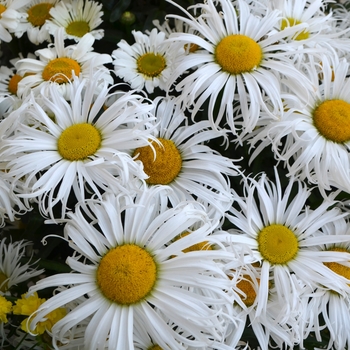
2 9
290 22
39 13
127 274
238 54
339 268
151 65
79 141
78 28
332 119
246 286
60 70
195 247
162 163
277 244
5 308
13 83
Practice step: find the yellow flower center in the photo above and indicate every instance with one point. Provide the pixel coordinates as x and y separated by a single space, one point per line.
191 47
246 286
155 347
150 64
290 22
78 28
163 167
339 268
39 13
332 120
2 9
79 141
195 247
60 70
127 274
238 54
13 83
277 244
3 286
5 308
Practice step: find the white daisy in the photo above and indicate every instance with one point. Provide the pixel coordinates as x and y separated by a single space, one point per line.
284 235
35 13
10 17
148 63
157 274
58 65
242 56
325 304
314 128
78 147
180 160
12 270
77 17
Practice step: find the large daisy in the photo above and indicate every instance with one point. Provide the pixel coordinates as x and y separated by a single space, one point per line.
133 267
58 64
179 159
57 147
148 63
313 135
77 18
241 60
284 236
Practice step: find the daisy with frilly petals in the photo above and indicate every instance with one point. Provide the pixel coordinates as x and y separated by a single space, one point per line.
314 128
241 56
10 17
12 270
58 65
283 235
148 63
77 17
57 147
179 159
157 275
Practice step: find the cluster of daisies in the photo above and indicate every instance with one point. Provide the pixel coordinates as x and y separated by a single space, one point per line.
135 158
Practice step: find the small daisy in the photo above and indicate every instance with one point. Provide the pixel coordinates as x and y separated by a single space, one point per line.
35 14
242 56
331 306
5 309
314 128
77 18
284 235
58 65
10 17
179 159
148 63
157 275
63 148
12 270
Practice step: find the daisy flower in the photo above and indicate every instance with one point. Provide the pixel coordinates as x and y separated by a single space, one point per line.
9 17
148 63
76 147
314 128
284 235
242 56
35 14
331 306
77 18
12 270
58 65
179 159
157 275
